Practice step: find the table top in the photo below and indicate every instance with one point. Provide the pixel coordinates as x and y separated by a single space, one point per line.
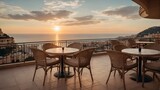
62 52
144 52
144 42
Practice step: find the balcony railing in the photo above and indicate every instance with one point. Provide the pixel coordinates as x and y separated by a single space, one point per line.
20 52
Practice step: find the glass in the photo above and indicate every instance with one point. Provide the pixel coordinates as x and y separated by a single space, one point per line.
62 48
139 49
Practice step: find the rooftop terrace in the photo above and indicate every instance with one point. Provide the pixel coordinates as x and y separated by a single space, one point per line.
20 78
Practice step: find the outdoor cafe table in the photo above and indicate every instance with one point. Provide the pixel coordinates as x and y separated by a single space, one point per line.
141 54
139 43
62 52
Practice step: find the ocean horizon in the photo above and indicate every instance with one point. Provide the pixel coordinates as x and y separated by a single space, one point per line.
51 37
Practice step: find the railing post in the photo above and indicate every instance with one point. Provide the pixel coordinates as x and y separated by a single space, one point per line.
66 43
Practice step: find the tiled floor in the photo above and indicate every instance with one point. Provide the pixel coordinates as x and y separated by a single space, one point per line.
20 78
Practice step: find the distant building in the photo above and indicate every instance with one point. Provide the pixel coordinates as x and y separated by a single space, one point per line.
155 35
5 39
5 47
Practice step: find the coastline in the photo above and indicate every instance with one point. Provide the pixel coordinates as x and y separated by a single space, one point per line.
52 37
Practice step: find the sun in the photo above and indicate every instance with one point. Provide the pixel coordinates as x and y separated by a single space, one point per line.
56 28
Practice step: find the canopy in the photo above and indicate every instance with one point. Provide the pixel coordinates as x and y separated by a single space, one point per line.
149 8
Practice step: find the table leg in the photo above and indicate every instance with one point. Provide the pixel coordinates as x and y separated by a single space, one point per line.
147 78
62 72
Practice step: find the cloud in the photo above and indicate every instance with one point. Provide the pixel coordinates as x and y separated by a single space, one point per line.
130 12
42 15
83 23
14 12
84 20
6 9
59 4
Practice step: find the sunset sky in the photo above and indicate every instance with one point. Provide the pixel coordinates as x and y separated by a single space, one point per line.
73 16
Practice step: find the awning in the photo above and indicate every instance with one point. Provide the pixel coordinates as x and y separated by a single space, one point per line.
149 8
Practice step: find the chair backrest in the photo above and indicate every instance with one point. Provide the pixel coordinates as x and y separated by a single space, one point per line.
114 42
131 43
119 47
76 45
118 59
48 46
39 56
154 46
153 66
84 57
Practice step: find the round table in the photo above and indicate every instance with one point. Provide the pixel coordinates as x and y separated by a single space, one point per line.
144 42
143 53
139 43
62 52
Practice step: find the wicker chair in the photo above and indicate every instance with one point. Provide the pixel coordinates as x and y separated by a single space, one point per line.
154 46
42 62
131 43
74 45
48 46
153 67
119 62
81 60
114 42
119 47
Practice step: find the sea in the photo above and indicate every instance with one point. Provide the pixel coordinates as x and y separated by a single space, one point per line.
51 37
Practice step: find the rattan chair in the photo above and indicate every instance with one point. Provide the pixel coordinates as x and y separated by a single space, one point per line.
48 46
119 62
74 45
119 47
154 46
114 42
131 43
153 67
42 62
81 60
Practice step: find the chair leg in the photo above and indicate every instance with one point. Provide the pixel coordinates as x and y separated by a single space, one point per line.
157 77
81 71
68 69
114 73
123 77
91 73
109 75
74 69
137 74
34 73
59 73
79 77
143 76
66 74
51 69
154 75
44 77
120 73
